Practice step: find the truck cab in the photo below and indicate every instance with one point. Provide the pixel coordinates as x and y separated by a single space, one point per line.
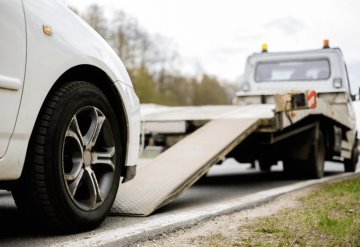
323 70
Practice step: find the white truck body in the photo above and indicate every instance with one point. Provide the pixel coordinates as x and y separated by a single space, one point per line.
333 89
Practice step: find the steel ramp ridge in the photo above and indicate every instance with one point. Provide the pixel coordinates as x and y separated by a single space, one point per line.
172 172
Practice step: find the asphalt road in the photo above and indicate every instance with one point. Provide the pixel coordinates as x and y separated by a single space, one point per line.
222 183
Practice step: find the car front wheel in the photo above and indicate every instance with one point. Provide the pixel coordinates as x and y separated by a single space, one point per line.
72 170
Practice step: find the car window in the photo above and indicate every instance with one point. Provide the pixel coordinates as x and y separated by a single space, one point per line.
292 70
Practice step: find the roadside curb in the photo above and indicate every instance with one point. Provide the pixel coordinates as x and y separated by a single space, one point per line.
155 226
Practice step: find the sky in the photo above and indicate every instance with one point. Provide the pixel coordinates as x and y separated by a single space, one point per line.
216 36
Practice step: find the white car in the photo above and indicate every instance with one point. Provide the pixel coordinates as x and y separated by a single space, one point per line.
69 125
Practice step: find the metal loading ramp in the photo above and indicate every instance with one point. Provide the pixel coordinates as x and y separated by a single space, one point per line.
175 170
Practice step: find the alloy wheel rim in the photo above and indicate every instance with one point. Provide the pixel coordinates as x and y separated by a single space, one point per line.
88 158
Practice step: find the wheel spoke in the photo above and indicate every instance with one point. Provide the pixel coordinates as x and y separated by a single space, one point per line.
104 158
95 128
93 186
74 174
74 131
73 186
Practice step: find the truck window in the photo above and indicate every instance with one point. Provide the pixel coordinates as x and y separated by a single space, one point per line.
292 70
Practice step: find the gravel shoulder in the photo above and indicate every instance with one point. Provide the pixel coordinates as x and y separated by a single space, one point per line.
226 226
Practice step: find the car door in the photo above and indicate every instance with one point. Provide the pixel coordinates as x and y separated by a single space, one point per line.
12 66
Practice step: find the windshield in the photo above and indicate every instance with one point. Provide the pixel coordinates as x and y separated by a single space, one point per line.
292 70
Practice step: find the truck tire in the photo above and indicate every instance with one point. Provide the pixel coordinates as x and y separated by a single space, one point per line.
350 164
314 165
72 169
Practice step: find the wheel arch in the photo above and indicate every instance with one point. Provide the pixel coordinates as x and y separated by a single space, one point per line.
333 133
99 78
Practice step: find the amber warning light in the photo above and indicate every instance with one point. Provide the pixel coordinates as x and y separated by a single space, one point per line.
264 48
326 44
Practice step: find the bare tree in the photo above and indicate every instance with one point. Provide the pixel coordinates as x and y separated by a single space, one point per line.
94 16
151 62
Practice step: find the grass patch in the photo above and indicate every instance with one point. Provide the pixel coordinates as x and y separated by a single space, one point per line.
268 230
328 216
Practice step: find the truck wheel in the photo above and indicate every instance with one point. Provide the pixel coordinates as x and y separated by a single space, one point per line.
314 165
72 169
265 165
350 164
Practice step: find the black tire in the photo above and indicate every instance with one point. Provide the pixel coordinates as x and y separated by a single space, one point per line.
314 165
65 185
350 164
265 165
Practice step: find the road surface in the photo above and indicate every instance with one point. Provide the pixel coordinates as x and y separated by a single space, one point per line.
222 183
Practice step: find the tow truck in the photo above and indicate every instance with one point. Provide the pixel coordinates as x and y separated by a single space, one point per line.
293 107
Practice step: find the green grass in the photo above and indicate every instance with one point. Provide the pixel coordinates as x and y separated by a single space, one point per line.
328 216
